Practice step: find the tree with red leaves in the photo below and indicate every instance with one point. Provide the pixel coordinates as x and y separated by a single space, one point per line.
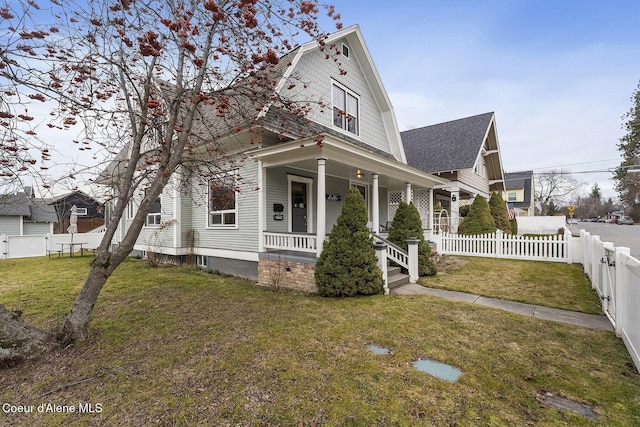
135 77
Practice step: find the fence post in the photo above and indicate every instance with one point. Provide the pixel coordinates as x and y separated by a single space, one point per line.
381 253
621 290
568 252
595 261
5 246
499 238
412 243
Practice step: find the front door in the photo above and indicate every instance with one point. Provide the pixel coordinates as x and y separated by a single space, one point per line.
298 207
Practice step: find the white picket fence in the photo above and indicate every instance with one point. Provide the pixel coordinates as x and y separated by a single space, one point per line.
39 244
614 273
555 248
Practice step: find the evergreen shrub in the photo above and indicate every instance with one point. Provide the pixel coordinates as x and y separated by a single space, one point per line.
479 220
407 224
348 265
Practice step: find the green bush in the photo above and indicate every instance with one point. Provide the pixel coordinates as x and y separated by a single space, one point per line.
514 225
406 224
498 209
348 265
479 220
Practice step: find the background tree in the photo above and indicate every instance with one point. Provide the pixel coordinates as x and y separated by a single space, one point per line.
479 220
555 188
499 212
348 265
133 79
407 224
628 182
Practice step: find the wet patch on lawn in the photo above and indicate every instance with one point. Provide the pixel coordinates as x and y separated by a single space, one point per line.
567 405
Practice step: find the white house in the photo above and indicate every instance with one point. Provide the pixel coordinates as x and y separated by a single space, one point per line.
464 151
291 187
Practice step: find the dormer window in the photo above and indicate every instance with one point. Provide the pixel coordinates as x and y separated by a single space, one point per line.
345 110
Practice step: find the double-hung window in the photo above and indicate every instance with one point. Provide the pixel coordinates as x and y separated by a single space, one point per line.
154 217
346 110
223 204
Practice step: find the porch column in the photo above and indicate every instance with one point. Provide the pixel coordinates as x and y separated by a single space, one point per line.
455 209
321 206
375 214
262 208
408 195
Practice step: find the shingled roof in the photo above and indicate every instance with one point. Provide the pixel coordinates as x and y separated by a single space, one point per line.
447 146
21 204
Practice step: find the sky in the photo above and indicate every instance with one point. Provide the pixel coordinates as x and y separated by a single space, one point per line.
559 75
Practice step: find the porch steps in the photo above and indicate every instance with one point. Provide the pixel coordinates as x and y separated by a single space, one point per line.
395 277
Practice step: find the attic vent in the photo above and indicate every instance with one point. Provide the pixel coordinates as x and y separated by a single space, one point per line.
345 50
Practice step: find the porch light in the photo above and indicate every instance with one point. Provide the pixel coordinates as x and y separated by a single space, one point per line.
359 174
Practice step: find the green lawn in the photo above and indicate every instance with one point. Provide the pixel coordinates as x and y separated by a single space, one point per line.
182 347
550 284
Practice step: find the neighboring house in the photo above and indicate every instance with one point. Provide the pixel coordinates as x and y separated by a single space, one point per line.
292 187
90 212
519 192
465 152
22 214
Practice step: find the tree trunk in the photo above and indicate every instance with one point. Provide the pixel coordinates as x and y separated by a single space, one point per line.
77 321
18 340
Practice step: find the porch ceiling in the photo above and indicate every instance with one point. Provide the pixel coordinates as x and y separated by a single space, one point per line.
345 160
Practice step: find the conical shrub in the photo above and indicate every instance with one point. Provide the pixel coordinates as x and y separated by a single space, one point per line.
498 209
407 224
348 265
479 220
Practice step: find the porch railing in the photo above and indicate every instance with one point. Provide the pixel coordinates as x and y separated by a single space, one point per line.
298 242
394 252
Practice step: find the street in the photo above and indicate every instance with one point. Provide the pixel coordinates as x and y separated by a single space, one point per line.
620 235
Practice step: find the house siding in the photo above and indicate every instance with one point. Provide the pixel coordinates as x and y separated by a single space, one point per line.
245 236
277 192
31 228
10 225
472 179
319 74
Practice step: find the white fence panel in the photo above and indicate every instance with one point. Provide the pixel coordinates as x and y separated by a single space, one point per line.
38 244
556 248
628 298
24 246
90 240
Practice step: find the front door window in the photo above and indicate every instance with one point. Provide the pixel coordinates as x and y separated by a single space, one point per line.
298 207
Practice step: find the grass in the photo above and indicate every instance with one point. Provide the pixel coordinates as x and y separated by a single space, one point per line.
182 347
548 284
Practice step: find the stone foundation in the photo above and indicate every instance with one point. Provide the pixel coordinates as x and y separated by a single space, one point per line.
277 271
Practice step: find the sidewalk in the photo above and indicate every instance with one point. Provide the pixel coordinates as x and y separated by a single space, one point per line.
591 321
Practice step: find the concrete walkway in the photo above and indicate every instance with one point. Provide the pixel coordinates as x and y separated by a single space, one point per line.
592 321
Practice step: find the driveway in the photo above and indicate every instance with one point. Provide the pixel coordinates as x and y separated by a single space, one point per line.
620 235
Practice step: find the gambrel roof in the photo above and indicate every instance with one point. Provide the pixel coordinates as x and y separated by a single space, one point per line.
447 146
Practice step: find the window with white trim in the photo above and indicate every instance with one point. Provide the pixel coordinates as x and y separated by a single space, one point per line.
131 209
223 203
346 110
201 261
81 211
154 217
345 50
512 196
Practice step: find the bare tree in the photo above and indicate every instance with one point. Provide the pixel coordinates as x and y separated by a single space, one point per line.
153 82
555 188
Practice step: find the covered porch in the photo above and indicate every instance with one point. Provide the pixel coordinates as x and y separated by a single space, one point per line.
302 186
